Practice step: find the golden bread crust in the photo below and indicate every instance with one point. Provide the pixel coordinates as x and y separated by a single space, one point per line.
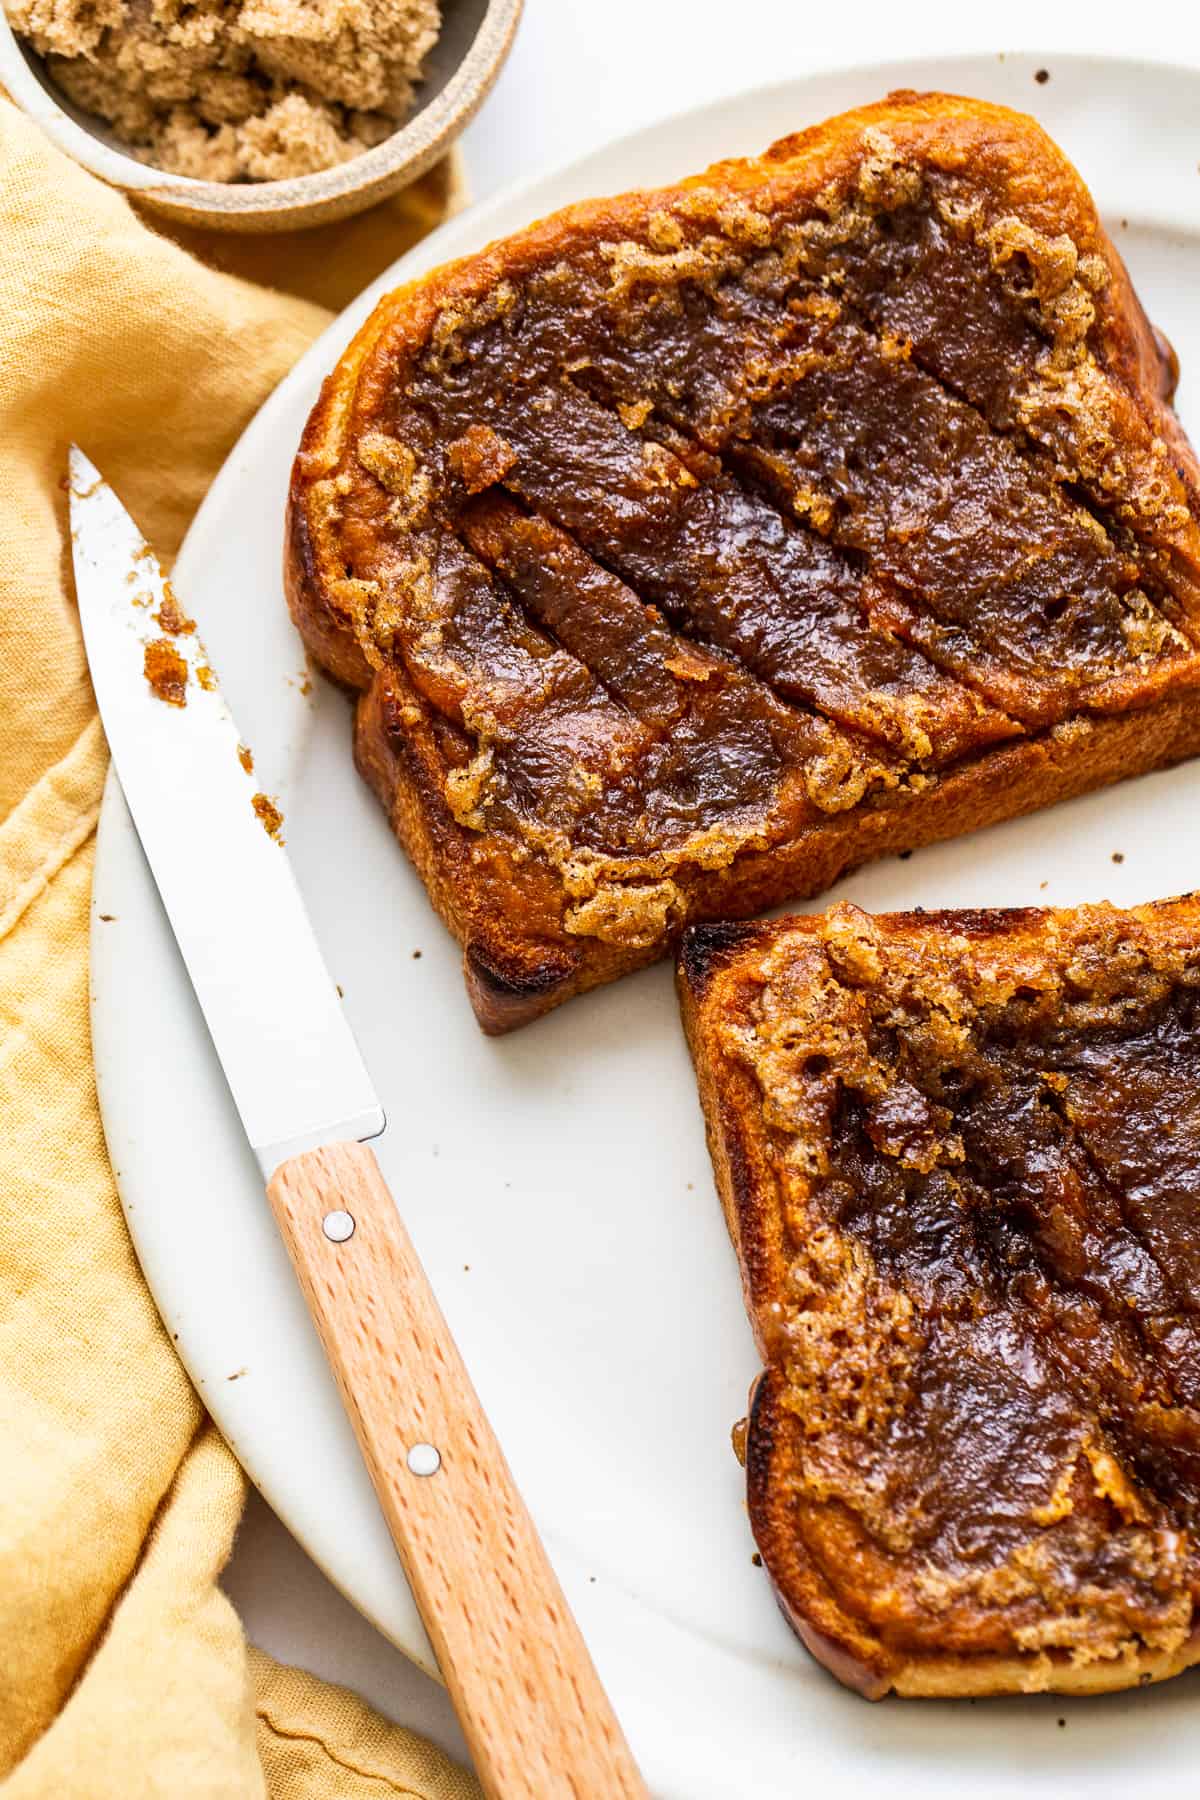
952 1149
438 563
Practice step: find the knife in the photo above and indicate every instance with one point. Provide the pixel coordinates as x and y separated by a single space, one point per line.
533 1710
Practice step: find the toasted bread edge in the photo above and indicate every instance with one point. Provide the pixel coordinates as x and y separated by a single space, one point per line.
708 979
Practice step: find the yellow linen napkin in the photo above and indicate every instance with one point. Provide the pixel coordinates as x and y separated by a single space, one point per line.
123 1669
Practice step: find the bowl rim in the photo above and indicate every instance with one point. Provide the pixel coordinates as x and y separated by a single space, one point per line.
408 152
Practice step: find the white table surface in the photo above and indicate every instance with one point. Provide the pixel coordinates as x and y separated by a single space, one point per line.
581 72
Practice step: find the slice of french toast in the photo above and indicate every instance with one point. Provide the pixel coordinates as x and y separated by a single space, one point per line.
692 547
959 1155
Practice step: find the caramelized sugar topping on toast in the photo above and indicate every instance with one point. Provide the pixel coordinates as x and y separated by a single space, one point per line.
960 1158
694 545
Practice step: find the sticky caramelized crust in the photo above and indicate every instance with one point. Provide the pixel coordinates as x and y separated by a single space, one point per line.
693 546
959 1155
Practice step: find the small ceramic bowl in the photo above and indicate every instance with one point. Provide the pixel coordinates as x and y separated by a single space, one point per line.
475 38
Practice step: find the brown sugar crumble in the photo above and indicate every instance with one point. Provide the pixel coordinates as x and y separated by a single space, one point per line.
697 546
269 813
1118 856
205 677
246 758
961 1193
236 90
166 671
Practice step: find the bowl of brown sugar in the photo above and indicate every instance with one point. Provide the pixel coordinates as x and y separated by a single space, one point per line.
254 115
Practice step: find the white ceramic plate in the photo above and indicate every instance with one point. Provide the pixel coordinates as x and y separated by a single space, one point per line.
556 1182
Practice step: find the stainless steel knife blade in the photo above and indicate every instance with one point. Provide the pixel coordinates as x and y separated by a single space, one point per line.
531 1703
293 1067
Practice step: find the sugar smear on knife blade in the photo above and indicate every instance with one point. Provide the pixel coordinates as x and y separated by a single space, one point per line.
166 672
270 814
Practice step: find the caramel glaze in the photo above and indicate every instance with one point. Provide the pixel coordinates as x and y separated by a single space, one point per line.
977 1281
753 456
682 523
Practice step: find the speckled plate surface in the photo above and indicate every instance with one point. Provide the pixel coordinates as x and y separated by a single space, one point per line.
556 1182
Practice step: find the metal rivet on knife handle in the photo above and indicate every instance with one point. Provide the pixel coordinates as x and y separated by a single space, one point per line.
534 1713
537 1720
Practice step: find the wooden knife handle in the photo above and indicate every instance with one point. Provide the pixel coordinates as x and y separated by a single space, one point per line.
531 1705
